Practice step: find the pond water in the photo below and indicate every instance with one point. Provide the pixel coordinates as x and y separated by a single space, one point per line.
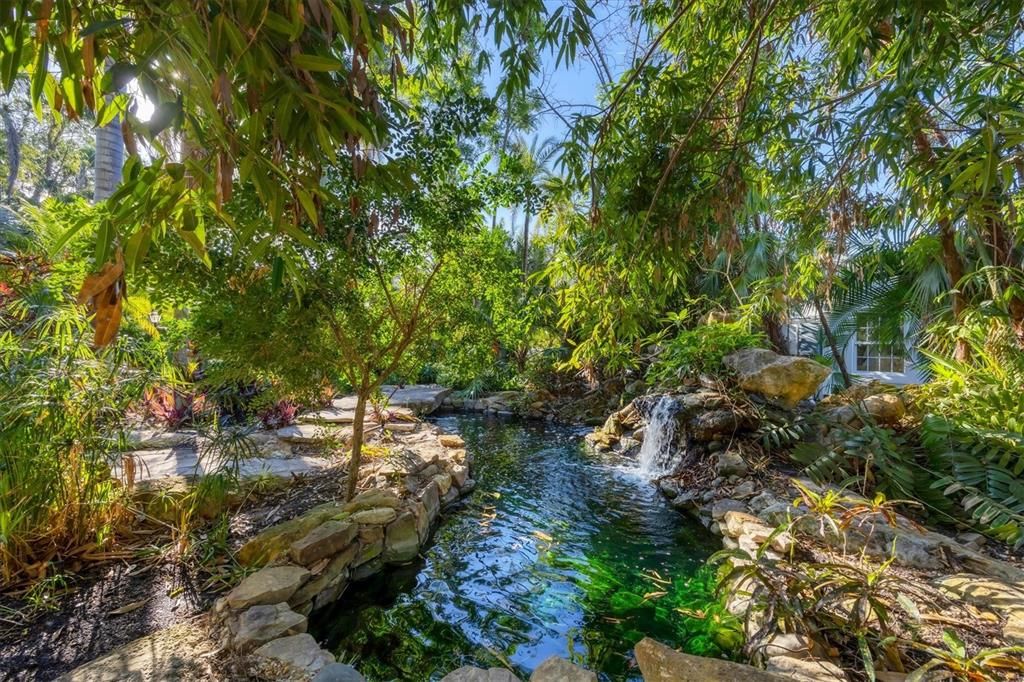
558 551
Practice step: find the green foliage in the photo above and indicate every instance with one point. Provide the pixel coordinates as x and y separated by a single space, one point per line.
61 409
700 350
335 73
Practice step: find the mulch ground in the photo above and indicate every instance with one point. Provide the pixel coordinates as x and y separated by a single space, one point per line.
113 603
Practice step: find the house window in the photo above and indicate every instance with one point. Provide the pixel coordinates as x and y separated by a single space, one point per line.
875 356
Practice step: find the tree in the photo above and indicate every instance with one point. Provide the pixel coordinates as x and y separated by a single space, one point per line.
330 68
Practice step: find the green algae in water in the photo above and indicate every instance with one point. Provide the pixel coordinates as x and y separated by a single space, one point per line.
556 553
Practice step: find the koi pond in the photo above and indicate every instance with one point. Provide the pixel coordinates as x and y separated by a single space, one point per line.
557 551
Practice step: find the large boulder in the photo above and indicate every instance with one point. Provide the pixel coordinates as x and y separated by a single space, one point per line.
782 378
659 663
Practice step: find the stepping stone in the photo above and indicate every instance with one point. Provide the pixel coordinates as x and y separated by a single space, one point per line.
307 434
271 585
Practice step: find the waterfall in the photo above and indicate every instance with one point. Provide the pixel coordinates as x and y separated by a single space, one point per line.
658 453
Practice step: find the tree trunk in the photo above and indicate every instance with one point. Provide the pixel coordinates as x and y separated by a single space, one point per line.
950 256
526 247
13 151
826 329
52 137
109 159
357 441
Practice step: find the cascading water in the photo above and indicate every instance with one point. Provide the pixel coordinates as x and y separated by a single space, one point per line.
659 454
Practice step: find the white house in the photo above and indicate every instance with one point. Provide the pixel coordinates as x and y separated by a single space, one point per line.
867 358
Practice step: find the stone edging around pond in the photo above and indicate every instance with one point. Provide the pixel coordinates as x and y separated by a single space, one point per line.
308 561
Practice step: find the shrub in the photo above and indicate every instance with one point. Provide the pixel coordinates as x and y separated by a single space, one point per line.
700 350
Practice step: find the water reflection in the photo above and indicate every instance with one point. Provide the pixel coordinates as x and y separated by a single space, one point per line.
555 553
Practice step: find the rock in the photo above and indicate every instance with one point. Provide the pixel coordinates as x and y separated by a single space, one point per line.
338 672
332 574
431 498
451 440
708 426
325 540
731 464
886 408
371 544
555 669
761 502
271 585
612 425
374 517
972 540
468 486
791 644
364 571
180 652
300 653
459 474
308 434
736 524
805 670
669 488
719 508
1003 597
470 674
372 499
275 541
449 497
401 541
787 379
639 433
152 439
659 663
744 490
444 482
260 624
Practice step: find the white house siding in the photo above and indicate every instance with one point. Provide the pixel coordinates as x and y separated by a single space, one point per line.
803 334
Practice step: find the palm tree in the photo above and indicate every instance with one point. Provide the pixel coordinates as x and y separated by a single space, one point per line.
534 159
108 159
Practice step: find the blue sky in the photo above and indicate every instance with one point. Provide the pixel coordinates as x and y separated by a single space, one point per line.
575 88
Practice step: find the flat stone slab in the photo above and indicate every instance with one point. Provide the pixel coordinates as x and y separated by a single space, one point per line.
155 439
307 434
271 585
171 655
335 415
659 663
420 398
261 624
185 462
